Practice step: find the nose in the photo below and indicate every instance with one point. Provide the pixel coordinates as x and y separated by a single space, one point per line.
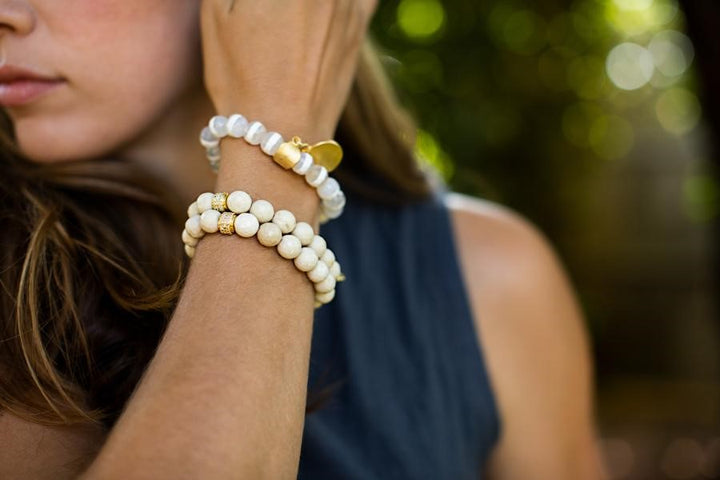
17 16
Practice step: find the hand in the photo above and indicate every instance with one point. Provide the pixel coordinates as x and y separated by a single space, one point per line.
288 64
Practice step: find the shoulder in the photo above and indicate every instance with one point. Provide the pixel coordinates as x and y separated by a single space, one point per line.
534 341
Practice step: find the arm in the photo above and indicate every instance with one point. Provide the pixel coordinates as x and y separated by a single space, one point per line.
535 345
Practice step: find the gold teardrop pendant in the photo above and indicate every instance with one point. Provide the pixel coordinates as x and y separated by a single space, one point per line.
328 153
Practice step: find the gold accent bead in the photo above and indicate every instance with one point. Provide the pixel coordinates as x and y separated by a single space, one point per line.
340 278
287 155
226 223
219 201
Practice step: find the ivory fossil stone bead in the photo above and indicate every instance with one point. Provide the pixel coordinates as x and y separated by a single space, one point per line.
318 244
209 221
269 234
189 239
189 251
192 225
204 201
239 202
335 269
263 210
328 257
325 297
326 285
318 273
289 246
193 209
304 232
306 260
284 219
246 225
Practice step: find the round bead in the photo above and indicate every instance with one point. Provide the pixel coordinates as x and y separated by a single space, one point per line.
204 201
328 188
271 141
189 239
319 273
318 244
207 139
246 225
304 164
337 201
189 251
326 285
306 260
325 297
335 269
193 209
192 225
237 125
269 234
255 132
209 221
239 201
218 126
284 219
328 257
263 210
213 154
289 246
304 232
316 175
333 214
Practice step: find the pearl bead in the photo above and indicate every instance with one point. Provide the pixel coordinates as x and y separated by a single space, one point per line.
269 234
304 232
316 175
204 201
318 244
304 164
207 139
192 225
328 257
218 126
325 297
328 188
271 141
237 125
284 219
289 246
319 273
189 239
193 209
306 260
246 225
239 201
263 210
326 285
335 269
254 133
209 221
337 201
189 251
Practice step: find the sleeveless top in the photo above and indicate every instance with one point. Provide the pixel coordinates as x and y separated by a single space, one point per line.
414 400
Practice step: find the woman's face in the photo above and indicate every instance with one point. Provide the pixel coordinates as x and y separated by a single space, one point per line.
123 64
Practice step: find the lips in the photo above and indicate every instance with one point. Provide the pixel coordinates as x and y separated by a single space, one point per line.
19 86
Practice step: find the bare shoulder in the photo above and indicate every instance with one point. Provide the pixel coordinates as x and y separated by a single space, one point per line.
37 452
533 336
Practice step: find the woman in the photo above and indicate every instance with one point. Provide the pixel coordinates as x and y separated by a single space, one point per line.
94 277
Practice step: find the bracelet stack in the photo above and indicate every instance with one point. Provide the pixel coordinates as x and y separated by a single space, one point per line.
314 162
237 213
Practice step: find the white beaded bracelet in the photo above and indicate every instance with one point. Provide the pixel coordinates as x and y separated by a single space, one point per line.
238 213
286 154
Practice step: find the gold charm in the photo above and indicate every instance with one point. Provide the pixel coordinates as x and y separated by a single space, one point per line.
328 153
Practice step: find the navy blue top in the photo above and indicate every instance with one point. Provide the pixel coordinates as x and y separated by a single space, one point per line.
416 401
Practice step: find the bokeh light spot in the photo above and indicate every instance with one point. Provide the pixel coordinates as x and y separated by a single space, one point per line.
672 52
611 137
429 152
420 18
678 110
630 66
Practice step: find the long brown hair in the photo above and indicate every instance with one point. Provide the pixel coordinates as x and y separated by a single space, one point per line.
91 266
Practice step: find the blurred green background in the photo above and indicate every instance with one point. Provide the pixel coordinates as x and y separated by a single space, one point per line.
587 117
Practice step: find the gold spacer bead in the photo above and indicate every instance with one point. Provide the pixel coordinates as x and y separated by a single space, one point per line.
226 223
340 278
287 155
219 201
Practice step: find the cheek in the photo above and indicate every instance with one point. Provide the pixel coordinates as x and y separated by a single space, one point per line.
125 67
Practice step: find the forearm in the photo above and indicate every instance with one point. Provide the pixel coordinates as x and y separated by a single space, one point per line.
224 396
